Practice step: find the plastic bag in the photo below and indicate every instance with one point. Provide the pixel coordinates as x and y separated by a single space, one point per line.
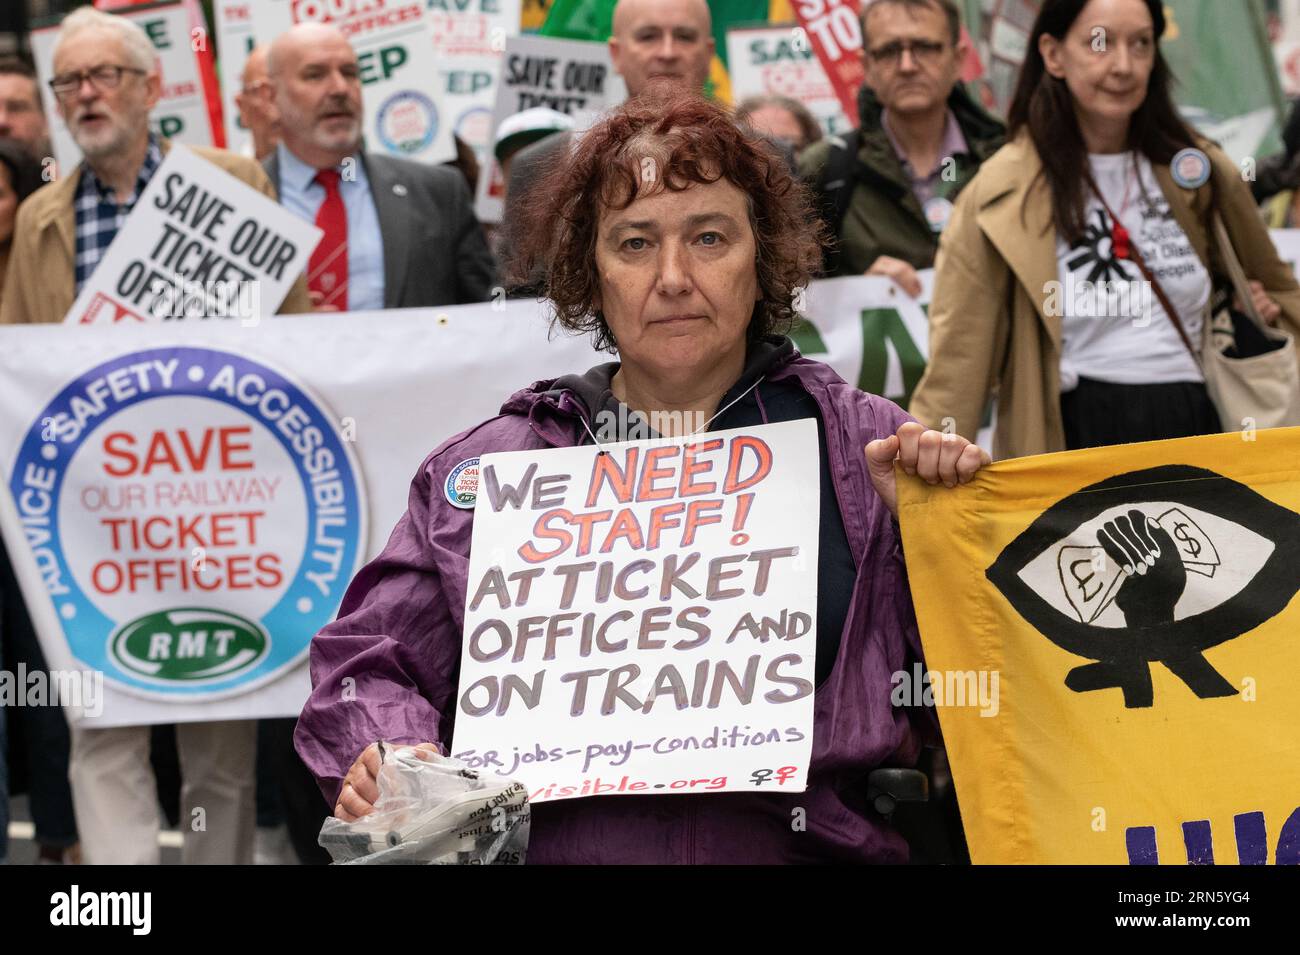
433 810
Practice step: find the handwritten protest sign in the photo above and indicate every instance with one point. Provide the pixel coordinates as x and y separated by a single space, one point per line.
775 61
570 76
642 619
199 243
392 39
182 111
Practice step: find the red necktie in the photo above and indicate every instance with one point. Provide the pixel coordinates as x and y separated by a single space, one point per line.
327 271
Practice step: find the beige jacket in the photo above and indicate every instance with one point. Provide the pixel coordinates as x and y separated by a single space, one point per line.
40 283
990 331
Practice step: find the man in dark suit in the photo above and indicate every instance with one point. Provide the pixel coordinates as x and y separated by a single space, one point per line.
398 234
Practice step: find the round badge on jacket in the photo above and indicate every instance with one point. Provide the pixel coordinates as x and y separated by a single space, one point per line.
461 486
937 212
1190 168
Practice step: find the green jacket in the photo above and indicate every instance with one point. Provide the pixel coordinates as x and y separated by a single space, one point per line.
884 216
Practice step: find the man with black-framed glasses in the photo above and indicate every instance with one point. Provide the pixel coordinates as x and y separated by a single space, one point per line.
887 189
105 83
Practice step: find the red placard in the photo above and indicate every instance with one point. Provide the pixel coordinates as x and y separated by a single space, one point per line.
835 34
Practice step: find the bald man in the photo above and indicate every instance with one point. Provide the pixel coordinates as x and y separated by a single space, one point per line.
651 42
256 103
661 41
398 234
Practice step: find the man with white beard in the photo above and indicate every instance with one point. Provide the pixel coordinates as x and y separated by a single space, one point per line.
106 80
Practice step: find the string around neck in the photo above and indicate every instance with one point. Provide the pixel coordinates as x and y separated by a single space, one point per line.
717 414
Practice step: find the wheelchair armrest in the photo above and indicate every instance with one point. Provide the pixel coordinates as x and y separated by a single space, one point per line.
886 788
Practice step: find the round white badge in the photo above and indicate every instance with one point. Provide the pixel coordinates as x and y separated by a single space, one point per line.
937 212
461 486
1190 168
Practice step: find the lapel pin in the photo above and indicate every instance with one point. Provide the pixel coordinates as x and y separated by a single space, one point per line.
1190 168
399 189
937 213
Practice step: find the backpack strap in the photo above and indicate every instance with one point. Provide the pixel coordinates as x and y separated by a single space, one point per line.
835 192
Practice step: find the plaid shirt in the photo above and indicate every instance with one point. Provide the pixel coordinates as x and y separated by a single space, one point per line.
99 216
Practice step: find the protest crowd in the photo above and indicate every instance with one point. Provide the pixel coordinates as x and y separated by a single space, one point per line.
1072 252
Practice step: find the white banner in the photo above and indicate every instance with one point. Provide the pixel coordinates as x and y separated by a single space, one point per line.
182 112
199 243
392 384
570 76
186 502
778 61
234 43
1287 242
641 617
870 331
403 113
104 429
875 336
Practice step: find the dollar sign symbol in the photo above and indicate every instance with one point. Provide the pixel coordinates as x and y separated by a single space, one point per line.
1191 545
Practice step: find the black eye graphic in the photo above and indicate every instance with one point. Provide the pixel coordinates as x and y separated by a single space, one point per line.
1152 566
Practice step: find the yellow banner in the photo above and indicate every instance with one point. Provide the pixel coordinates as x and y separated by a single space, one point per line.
1113 639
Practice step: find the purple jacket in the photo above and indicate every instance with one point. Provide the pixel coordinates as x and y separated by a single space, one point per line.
399 633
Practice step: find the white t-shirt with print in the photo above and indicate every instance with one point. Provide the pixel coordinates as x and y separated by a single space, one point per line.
1113 326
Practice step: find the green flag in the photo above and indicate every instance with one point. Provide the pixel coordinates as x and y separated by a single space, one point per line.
734 13
579 20
1227 81
592 19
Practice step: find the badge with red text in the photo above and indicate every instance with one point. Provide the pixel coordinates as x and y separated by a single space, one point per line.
461 486
195 517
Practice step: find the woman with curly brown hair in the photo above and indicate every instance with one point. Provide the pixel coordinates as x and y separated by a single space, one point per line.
678 240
